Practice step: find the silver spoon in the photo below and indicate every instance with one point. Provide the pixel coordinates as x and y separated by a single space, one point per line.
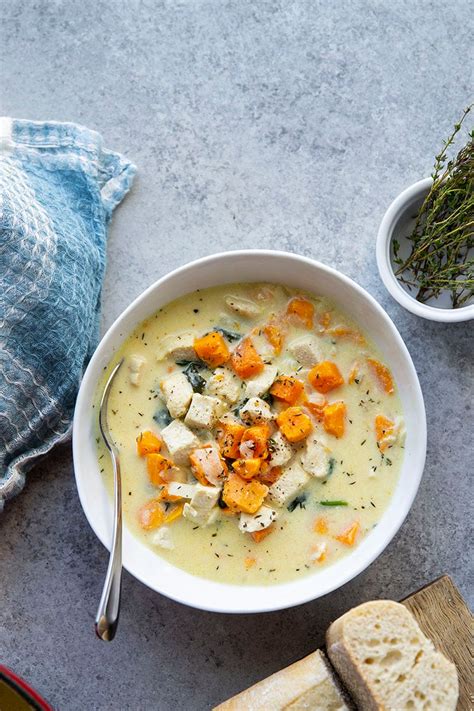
106 620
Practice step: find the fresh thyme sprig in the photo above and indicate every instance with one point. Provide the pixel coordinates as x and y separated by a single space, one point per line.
442 240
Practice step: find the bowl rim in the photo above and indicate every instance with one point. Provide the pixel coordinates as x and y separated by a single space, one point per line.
392 216
295 597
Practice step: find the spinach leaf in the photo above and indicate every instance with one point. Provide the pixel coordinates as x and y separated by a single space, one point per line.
199 364
230 335
162 417
221 503
268 397
298 501
237 410
197 382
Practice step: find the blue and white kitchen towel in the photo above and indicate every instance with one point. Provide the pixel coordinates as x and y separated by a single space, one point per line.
58 189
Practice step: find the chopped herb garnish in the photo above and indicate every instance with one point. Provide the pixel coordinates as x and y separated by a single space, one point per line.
334 503
331 465
298 501
363 442
388 461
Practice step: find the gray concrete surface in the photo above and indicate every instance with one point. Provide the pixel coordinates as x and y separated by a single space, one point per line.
288 125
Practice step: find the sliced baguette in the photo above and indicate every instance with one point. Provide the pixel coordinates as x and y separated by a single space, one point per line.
307 685
387 663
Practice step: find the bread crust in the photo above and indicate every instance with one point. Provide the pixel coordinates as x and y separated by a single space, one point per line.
295 688
384 658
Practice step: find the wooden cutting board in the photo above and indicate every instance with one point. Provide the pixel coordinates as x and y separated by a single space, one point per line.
445 618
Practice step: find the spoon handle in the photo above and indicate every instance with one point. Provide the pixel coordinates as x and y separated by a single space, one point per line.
106 620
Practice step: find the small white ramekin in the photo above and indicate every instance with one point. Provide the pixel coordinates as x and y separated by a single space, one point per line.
395 215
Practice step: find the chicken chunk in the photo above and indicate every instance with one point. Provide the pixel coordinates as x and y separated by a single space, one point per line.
280 451
163 539
224 384
255 412
203 411
135 367
316 458
199 517
178 393
306 350
180 441
290 483
178 347
261 383
263 518
243 307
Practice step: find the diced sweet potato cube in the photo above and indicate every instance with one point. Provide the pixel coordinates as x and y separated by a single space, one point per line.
270 476
294 424
207 465
245 360
348 536
334 418
241 495
148 443
321 526
258 536
354 372
302 310
325 376
346 332
175 513
229 435
156 466
287 389
383 375
325 319
247 468
274 336
168 498
212 349
316 408
256 439
151 515
384 429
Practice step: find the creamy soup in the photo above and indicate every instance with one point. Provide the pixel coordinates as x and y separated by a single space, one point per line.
260 433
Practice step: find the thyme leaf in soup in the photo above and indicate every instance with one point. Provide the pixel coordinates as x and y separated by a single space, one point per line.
334 503
298 501
331 465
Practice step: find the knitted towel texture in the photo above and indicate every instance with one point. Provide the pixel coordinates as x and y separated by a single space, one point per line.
58 189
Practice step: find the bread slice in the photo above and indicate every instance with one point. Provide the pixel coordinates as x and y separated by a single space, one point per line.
387 663
307 685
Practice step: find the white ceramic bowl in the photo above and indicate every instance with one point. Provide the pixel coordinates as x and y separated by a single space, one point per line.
398 222
251 266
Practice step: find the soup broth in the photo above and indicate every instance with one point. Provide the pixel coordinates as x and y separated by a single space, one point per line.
260 434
